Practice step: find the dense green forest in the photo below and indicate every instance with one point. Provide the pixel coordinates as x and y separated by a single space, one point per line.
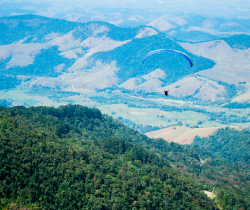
233 146
74 157
226 164
48 161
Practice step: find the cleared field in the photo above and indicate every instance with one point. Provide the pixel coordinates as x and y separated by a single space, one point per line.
152 116
130 109
182 134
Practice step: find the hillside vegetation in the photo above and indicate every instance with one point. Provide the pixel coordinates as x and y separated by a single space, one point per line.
66 158
76 157
229 144
225 157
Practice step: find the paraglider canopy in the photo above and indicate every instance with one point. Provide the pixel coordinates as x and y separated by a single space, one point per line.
169 51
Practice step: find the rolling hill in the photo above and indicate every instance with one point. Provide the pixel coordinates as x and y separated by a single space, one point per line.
74 47
47 61
81 54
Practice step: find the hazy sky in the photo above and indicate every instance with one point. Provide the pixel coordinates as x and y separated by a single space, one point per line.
143 3
226 8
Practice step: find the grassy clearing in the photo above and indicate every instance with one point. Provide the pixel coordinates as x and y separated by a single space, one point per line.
182 134
151 116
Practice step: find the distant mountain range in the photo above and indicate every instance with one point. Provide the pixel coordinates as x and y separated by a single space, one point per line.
97 55
67 51
130 16
46 61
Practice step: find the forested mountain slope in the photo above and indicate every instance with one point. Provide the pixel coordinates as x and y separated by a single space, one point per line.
225 163
50 154
229 144
55 159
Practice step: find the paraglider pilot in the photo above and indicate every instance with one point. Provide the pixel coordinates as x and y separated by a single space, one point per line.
166 92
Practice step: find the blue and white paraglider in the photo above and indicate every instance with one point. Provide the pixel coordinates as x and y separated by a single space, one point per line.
169 51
